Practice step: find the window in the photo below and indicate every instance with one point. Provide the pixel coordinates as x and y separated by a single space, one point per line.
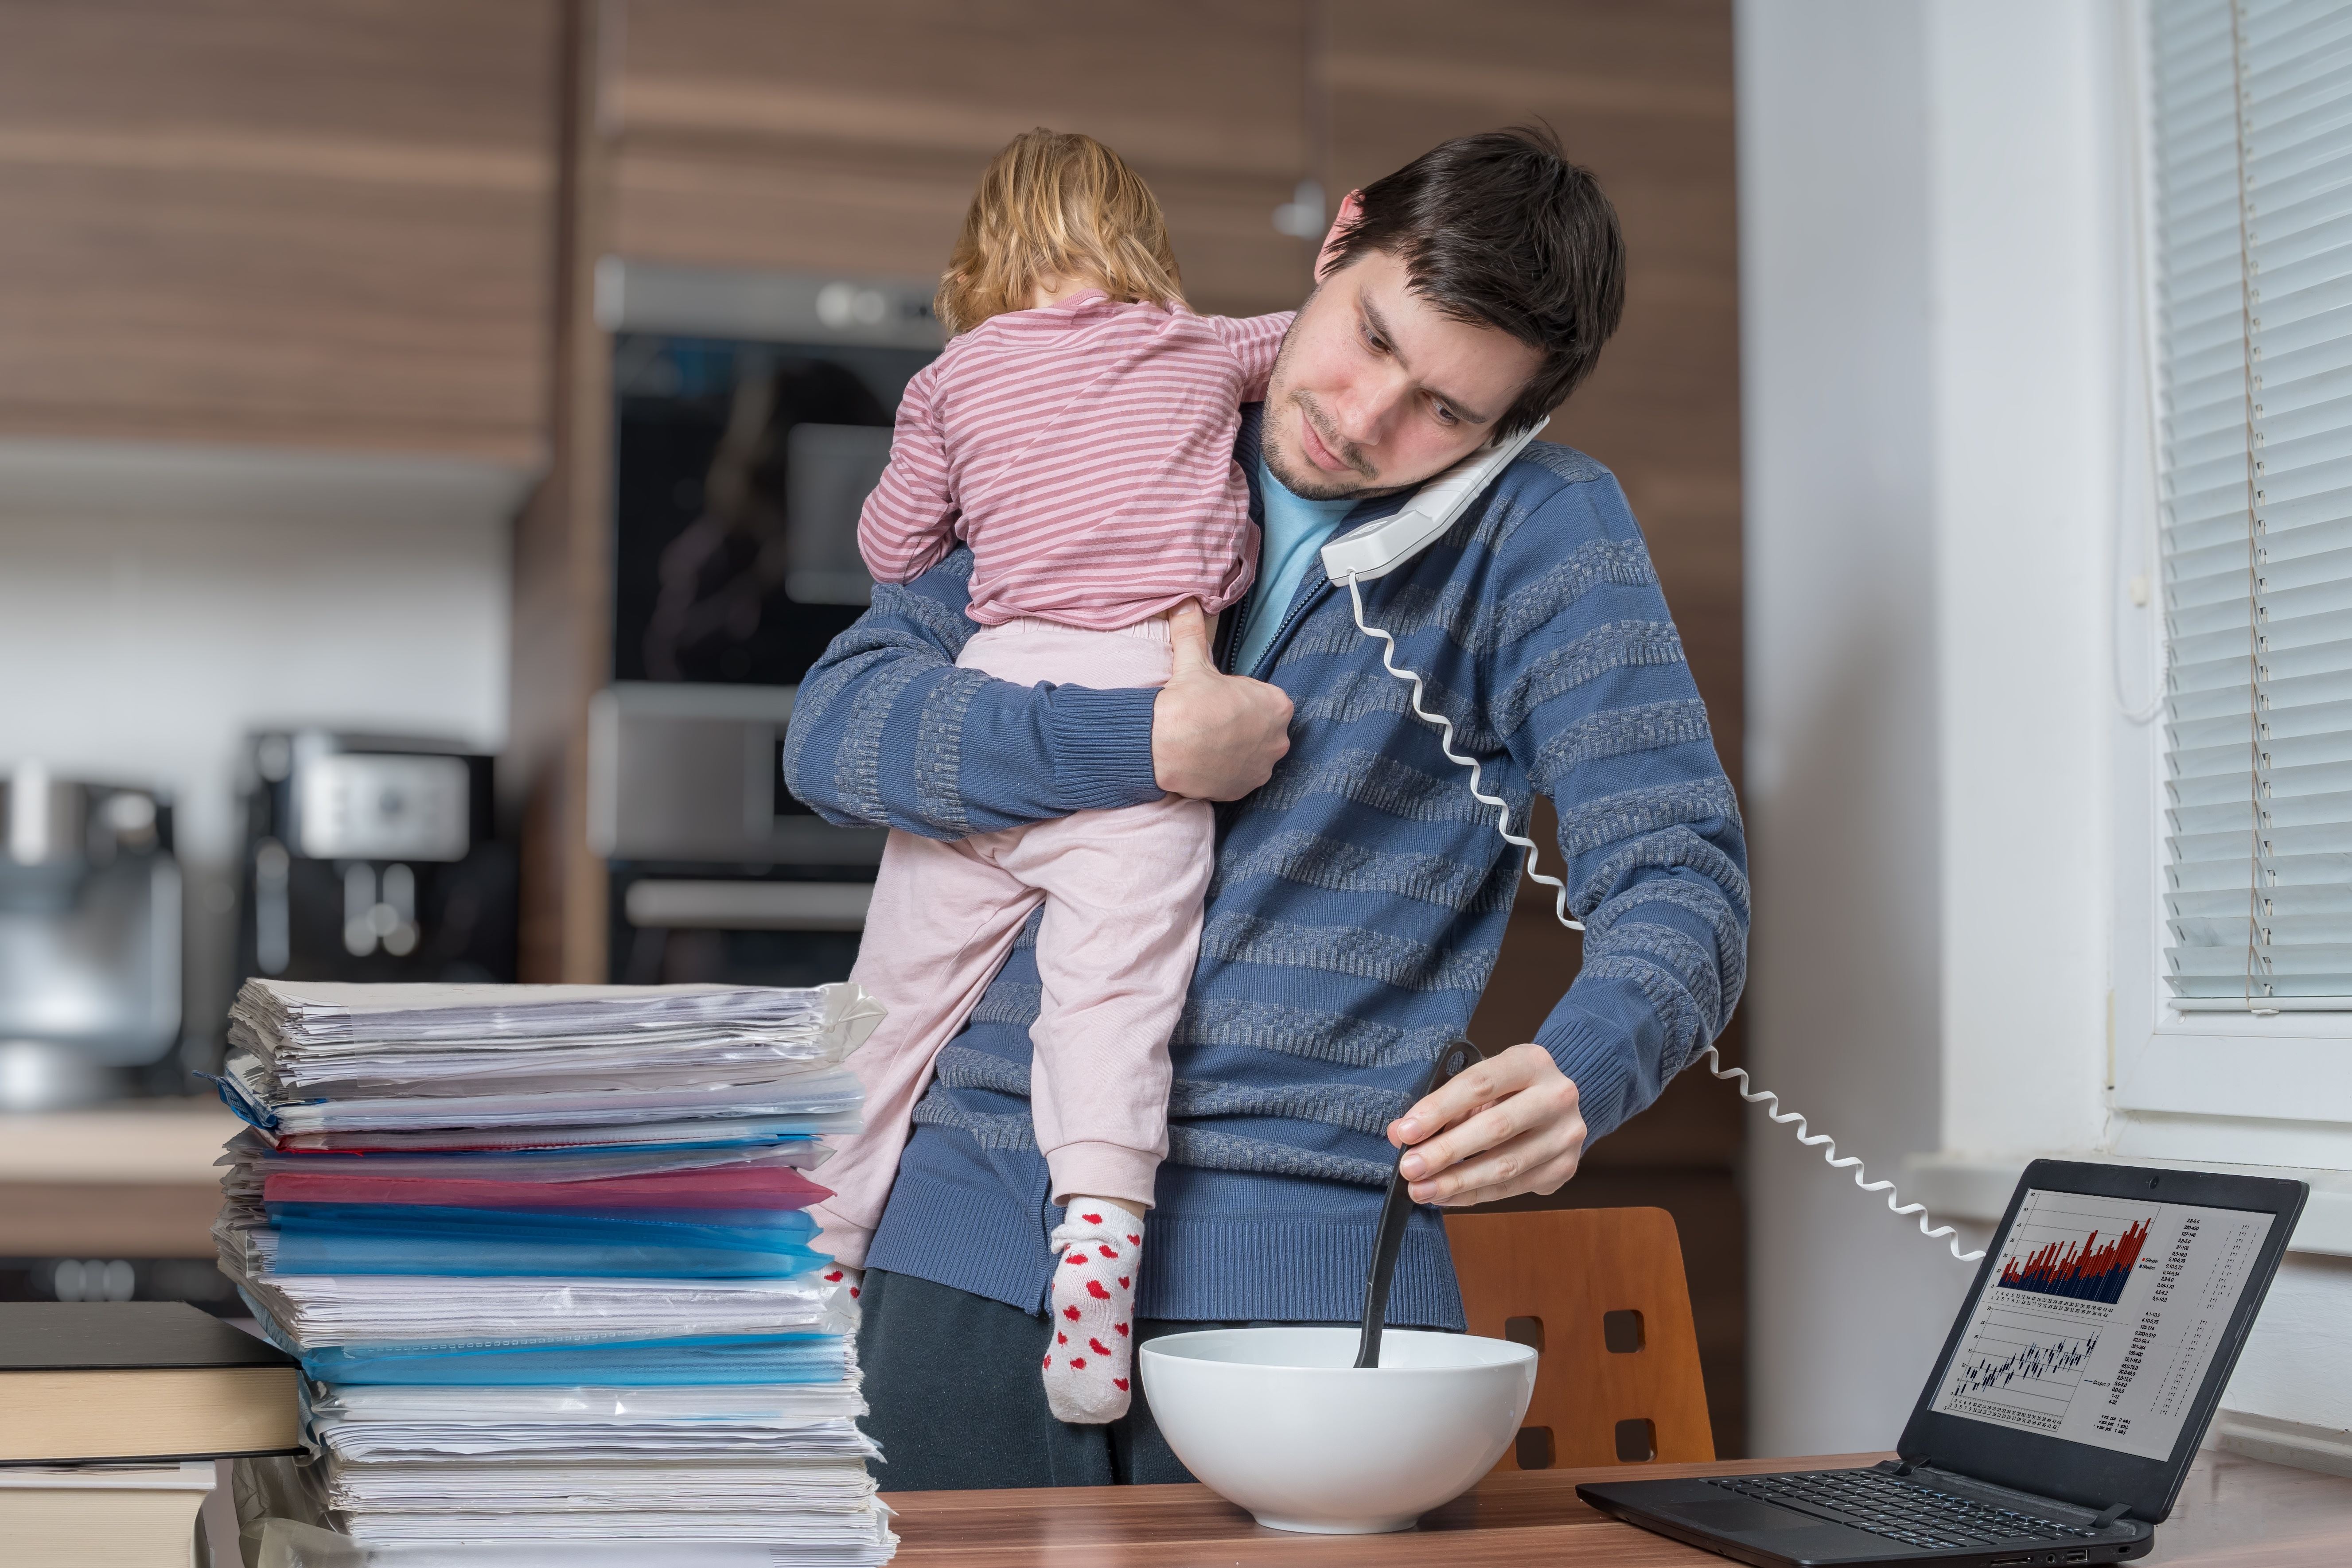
2252 178
2232 1020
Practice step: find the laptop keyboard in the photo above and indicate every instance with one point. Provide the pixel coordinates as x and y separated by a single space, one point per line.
1901 1509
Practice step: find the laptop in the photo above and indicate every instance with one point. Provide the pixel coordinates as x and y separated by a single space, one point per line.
2070 1398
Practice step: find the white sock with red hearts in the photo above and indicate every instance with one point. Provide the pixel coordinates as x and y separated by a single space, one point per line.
1092 1359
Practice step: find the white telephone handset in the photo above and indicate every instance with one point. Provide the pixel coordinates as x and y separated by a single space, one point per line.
1380 548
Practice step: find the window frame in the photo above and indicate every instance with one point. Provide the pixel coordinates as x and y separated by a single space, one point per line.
2165 1062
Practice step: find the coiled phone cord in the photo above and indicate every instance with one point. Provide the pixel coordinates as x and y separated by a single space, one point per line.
1445 728
1771 1104
1764 1097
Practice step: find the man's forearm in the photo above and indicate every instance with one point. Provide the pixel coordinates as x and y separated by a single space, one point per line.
1665 962
888 731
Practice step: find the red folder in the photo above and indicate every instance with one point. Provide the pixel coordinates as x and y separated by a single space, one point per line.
748 1187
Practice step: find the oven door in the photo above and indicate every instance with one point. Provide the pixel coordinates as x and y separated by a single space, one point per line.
718 873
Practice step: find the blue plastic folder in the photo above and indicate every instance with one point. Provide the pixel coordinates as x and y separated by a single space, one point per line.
637 1363
692 1243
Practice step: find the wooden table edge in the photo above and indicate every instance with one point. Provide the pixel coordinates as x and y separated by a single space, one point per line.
1520 1511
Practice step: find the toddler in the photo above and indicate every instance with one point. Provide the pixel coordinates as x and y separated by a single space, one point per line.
1077 433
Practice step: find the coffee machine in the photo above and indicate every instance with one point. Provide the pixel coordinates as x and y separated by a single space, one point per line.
89 938
371 858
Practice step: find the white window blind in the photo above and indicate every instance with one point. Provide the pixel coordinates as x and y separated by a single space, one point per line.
2253 182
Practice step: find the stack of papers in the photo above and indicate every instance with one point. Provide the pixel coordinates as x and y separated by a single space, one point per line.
545 1255
319 1059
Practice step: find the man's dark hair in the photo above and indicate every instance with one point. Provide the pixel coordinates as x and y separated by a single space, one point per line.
1501 230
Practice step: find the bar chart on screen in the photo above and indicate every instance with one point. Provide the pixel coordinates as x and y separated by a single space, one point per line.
2082 1270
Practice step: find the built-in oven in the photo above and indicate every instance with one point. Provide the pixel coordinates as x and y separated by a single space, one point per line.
751 416
718 873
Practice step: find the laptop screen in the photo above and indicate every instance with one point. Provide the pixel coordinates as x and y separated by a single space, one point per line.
2102 1317
2104 1323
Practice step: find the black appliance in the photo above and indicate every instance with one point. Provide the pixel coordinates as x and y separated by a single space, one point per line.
371 858
752 414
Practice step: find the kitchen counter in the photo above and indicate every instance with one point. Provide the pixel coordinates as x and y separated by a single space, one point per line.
130 1180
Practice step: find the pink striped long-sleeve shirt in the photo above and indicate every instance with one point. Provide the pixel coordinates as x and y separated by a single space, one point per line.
1085 451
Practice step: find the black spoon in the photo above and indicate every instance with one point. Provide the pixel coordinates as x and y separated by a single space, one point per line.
1450 1063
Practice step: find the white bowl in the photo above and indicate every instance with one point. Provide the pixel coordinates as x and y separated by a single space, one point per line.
1282 1422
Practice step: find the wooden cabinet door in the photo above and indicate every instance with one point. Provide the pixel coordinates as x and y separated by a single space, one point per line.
280 222
791 135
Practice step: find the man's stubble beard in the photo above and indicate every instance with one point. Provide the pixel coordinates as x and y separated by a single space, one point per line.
1308 483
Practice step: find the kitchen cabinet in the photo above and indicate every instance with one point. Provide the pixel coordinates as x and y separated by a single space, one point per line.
812 137
279 223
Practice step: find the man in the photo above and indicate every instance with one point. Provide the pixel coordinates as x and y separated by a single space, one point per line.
1361 893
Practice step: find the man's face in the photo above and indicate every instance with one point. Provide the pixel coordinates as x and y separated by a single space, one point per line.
1376 389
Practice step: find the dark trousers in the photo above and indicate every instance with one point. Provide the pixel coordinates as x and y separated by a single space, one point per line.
958 1402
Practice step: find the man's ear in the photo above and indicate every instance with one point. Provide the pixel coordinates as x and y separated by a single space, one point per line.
1351 209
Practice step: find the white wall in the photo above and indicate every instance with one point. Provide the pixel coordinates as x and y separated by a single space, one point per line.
1843 793
2029 181
157 602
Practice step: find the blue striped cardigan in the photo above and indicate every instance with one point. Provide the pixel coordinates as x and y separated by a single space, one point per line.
1360 897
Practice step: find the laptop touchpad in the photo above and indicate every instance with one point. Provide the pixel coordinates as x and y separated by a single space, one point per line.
1786 1532
1745 1513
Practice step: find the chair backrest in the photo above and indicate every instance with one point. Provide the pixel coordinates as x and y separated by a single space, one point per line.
1601 1295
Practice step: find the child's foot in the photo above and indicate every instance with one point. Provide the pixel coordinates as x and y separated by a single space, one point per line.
1092 1358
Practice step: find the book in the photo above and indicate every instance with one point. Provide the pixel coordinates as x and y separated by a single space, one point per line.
138 1379
141 1516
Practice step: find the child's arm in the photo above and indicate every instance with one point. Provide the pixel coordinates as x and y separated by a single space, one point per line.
907 525
1255 340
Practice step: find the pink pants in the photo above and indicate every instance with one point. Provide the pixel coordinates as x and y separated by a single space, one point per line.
1122 891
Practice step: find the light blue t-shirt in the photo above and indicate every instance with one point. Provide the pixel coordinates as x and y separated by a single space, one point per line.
1295 528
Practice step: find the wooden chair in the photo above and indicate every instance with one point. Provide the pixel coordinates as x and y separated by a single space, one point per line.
1600 1294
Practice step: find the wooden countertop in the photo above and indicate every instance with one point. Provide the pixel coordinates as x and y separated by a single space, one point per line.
2233 1511
145 1140
130 1180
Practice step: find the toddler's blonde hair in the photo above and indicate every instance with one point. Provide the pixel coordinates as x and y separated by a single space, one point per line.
1056 206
